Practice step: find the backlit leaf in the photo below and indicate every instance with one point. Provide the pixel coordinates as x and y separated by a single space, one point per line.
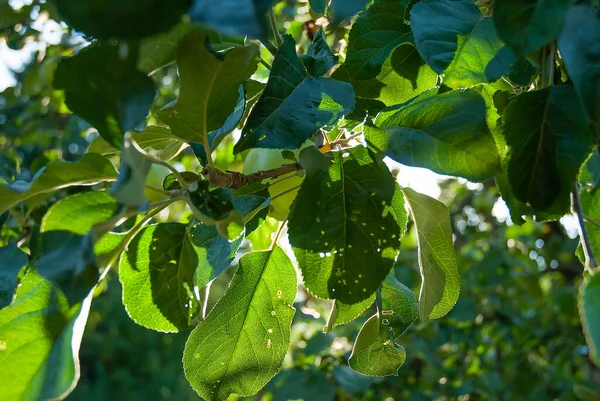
589 311
209 87
437 260
39 341
91 169
249 326
446 133
374 353
158 276
319 58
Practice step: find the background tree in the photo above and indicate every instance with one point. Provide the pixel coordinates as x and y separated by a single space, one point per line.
146 148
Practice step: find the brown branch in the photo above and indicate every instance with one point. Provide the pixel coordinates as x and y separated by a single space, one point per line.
233 179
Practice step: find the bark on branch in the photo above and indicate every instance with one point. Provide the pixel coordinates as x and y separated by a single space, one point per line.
233 179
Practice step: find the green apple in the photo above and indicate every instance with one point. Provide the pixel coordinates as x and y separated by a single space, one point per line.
265 159
155 178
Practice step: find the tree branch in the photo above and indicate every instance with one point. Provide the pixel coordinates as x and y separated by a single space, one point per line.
590 259
233 179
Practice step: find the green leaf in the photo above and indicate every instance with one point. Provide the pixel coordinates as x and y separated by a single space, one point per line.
374 354
437 259
446 133
319 58
155 140
475 51
344 9
209 205
399 306
439 25
590 199
106 90
249 326
548 141
159 50
293 106
578 45
403 76
373 37
158 276
215 252
348 312
318 6
91 169
215 137
80 212
39 342
589 311
528 25
13 261
107 19
302 383
69 260
233 17
209 87
131 182
349 244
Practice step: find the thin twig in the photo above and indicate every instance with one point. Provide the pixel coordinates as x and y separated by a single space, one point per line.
591 221
270 46
273 24
265 64
590 259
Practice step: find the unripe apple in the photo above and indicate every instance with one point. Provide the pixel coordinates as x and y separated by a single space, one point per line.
266 159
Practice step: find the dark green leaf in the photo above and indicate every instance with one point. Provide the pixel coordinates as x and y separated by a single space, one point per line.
579 49
80 212
210 85
344 9
374 353
250 326
349 244
90 170
170 182
299 383
131 182
446 133
439 25
293 106
215 252
374 35
209 205
158 276
69 260
106 19
528 25
548 140
39 341
589 311
13 260
437 259
318 6
319 58
106 90
233 17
